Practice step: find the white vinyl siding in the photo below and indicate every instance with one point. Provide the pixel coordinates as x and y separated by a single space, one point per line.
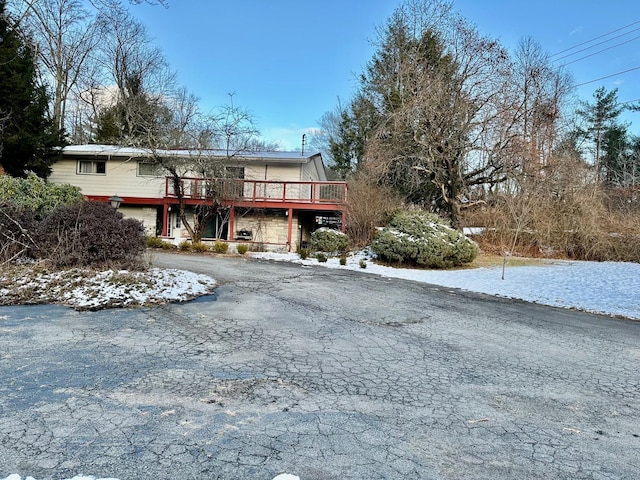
120 177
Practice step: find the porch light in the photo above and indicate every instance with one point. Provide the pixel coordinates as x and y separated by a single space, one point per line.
115 201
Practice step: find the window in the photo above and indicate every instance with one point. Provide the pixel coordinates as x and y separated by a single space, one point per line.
149 169
234 172
98 167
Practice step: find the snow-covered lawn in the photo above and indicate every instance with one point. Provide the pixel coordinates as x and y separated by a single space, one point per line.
609 288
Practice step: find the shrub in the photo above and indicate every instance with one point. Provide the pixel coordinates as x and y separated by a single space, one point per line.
368 205
329 241
17 227
184 245
154 242
35 194
363 263
343 260
220 247
199 247
242 248
91 234
304 253
562 214
257 247
321 257
423 239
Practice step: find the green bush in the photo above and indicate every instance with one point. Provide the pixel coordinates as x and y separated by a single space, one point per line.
199 247
91 234
242 248
423 239
220 247
154 242
329 241
363 263
184 246
321 257
35 194
304 253
343 260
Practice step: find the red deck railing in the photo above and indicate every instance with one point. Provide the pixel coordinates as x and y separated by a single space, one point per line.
257 191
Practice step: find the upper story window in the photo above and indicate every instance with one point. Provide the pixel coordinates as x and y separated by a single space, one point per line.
96 167
235 172
149 169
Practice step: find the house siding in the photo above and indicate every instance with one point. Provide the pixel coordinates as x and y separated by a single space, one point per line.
121 178
309 172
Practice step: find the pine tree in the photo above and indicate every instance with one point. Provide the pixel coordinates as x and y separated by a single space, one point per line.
600 117
27 133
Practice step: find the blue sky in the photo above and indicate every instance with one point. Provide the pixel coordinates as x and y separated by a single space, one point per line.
288 61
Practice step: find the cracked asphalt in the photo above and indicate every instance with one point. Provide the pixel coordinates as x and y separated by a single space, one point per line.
320 373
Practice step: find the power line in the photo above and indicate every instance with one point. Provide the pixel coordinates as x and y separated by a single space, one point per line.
595 38
600 51
608 76
596 44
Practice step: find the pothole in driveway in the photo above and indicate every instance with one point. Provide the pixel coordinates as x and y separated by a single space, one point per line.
396 323
266 391
212 297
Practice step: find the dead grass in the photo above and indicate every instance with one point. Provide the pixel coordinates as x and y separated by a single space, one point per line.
486 260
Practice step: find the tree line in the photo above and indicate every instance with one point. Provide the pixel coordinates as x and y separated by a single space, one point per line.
77 72
447 116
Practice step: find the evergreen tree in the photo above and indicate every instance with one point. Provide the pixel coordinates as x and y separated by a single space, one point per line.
601 117
347 145
27 133
137 119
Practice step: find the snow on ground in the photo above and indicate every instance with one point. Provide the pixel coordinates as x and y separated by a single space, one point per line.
91 290
154 286
15 476
609 288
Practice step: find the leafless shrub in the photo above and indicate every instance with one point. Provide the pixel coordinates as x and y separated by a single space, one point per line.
90 234
369 205
16 232
559 215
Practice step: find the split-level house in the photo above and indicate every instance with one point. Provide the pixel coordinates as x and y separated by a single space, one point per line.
274 199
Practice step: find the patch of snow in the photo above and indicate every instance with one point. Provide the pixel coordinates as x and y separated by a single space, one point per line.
15 476
609 288
473 230
88 290
286 476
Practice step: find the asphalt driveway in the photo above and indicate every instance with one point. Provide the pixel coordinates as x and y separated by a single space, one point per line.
325 374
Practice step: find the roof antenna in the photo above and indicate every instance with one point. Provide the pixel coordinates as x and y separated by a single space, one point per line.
304 140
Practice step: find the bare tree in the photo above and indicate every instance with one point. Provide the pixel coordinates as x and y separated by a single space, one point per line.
137 113
541 90
66 35
439 88
200 175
